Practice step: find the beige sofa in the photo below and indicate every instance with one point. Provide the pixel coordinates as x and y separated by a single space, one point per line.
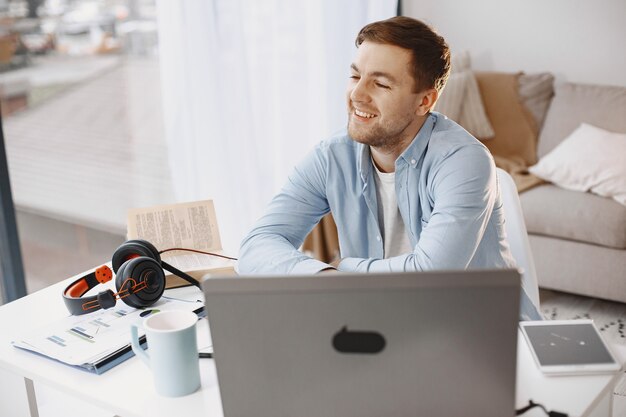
578 239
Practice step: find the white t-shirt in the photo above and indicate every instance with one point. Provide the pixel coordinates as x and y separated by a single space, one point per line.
395 239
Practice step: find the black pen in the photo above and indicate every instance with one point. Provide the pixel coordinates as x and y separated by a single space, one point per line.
204 355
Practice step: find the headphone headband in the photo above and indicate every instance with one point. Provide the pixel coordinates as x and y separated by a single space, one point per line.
73 294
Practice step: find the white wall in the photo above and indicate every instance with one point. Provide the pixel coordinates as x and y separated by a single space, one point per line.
576 40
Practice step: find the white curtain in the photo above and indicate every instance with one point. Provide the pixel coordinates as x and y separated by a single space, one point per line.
249 87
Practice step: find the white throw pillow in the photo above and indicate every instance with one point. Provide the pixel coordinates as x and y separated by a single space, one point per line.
590 159
460 99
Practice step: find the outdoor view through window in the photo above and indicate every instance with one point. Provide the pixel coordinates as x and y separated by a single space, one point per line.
82 118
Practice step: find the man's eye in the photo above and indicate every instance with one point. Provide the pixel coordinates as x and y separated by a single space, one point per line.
354 77
382 86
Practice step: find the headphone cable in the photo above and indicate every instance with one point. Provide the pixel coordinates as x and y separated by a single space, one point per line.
532 404
198 251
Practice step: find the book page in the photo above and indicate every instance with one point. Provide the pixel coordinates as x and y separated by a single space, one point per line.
190 225
185 225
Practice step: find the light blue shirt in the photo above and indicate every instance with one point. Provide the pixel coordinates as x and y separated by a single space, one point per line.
446 191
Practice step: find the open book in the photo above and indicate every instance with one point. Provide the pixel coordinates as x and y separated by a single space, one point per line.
185 225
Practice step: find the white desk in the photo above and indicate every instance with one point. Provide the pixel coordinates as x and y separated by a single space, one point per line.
127 389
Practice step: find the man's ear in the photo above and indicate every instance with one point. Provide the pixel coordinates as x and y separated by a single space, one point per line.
427 100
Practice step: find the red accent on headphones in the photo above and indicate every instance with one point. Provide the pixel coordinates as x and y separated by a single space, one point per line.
78 288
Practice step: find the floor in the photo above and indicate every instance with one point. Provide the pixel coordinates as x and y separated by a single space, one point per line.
94 129
53 250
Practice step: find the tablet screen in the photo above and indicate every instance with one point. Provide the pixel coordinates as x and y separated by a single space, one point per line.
568 344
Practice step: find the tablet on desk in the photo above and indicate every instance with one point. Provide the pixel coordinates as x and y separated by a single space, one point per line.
568 347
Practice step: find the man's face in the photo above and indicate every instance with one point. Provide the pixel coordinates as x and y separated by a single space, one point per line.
382 104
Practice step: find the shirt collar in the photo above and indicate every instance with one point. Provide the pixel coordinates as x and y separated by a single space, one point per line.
411 154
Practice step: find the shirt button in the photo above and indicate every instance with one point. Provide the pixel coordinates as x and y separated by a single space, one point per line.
413 161
378 238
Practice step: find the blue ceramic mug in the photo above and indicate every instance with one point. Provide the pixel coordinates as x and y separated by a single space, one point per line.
172 351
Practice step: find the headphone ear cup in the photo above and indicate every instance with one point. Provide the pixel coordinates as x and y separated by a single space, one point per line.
133 249
134 273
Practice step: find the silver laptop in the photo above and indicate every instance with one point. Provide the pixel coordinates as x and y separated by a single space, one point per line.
340 345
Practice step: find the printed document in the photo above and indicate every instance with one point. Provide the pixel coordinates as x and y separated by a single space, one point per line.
97 341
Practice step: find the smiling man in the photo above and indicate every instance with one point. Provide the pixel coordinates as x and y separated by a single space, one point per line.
409 189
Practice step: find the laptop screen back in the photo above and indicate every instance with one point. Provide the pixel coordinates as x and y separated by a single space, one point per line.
426 344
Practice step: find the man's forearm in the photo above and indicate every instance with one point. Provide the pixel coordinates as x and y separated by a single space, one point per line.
273 254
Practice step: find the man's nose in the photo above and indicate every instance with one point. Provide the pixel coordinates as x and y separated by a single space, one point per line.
359 93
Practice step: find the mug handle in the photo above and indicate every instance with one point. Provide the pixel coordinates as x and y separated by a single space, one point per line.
134 344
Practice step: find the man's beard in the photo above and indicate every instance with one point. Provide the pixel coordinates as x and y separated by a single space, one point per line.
381 137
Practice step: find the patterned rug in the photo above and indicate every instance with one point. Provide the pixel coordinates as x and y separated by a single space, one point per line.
608 316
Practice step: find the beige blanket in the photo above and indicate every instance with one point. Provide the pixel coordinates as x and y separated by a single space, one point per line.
514 146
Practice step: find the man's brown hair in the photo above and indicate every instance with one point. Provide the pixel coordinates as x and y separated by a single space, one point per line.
431 54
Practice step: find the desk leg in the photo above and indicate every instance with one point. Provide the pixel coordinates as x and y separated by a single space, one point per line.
604 408
32 399
611 404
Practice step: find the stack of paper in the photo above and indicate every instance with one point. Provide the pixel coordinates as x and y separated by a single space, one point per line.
97 341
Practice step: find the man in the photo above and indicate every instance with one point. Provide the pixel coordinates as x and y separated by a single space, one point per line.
409 189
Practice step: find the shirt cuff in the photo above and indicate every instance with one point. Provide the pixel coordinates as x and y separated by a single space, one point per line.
350 265
309 267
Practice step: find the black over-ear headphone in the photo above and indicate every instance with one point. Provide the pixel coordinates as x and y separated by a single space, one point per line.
139 280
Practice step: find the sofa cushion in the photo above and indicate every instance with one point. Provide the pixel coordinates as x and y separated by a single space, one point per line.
573 104
513 124
514 146
553 211
536 92
590 159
